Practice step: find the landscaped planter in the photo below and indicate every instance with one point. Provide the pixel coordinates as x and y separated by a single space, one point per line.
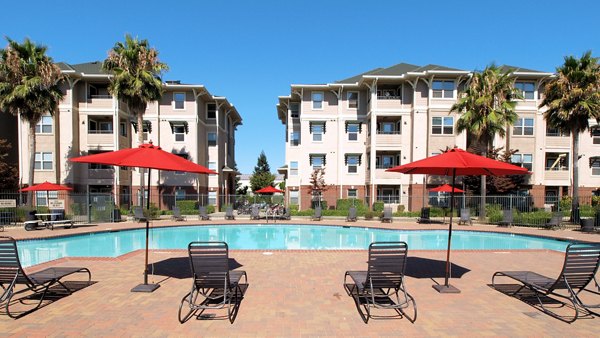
587 224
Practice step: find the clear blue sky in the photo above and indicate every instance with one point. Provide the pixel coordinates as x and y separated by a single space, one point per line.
251 51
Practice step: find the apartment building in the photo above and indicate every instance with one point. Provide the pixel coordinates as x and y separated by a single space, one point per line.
358 127
188 121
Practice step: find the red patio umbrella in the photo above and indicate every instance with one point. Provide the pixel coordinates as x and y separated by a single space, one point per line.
268 190
457 162
446 188
46 186
151 157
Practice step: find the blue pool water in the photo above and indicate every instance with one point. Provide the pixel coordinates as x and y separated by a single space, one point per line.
271 237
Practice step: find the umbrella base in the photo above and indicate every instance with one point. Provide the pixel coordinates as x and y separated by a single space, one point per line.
446 288
145 288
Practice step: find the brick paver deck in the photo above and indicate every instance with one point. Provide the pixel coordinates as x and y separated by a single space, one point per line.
299 293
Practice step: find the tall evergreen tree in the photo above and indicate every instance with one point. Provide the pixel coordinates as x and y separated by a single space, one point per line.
261 177
262 165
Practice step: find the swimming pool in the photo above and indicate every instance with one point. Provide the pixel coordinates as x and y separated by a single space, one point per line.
271 237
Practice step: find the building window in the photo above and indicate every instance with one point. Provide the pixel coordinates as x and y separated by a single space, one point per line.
387 161
352 163
212 197
294 168
352 193
123 129
550 131
524 160
443 89
317 161
212 139
185 157
353 129
44 126
527 89
442 125
295 109
596 135
389 127
317 132
294 195
595 165
211 111
179 194
212 166
42 197
295 138
43 161
557 161
352 98
178 100
317 100
523 126
179 131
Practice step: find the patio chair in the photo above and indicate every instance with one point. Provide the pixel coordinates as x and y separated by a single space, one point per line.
318 214
39 283
286 214
254 213
177 216
202 213
555 221
382 285
425 212
351 215
387 215
229 213
138 214
465 216
214 285
579 269
507 218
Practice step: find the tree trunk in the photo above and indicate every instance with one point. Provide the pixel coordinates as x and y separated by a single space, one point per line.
483 185
575 183
31 161
140 123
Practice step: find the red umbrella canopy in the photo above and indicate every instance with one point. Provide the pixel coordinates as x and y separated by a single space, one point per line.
46 186
145 156
268 190
445 188
464 163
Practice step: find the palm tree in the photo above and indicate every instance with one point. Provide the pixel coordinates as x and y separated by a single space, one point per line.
29 87
487 107
572 98
136 79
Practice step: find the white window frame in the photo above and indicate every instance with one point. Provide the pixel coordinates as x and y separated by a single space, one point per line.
179 194
295 113
320 133
212 166
105 123
443 125
175 101
43 158
294 197
292 139
215 110
312 99
45 121
595 168
519 159
293 168
208 141
357 99
443 91
520 125
355 133
123 129
596 136
353 165
520 85
212 198
321 165
176 133
355 193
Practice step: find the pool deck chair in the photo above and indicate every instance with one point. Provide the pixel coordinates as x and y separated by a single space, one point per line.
507 218
555 221
317 215
387 215
214 285
39 283
351 215
229 213
579 269
203 216
177 216
465 216
382 285
425 212
254 212
138 214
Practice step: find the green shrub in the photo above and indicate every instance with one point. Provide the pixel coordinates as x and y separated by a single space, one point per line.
369 215
378 206
532 218
596 200
293 207
210 209
565 203
345 204
187 207
401 208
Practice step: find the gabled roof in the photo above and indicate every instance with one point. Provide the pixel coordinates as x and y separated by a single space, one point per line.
514 69
396 70
356 78
436 67
89 68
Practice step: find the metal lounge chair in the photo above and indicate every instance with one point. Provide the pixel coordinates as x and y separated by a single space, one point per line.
507 218
286 214
138 214
555 221
229 213
254 213
579 269
351 215
214 285
39 283
387 215
425 216
177 216
202 214
465 216
317 215
382 285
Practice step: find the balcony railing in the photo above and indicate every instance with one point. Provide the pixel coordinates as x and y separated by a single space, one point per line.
100 131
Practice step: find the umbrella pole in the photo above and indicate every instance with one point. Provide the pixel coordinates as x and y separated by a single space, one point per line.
447 288
146 287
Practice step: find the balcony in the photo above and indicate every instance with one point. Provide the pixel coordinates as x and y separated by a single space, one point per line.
392 138
99 101
557 175
389 102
